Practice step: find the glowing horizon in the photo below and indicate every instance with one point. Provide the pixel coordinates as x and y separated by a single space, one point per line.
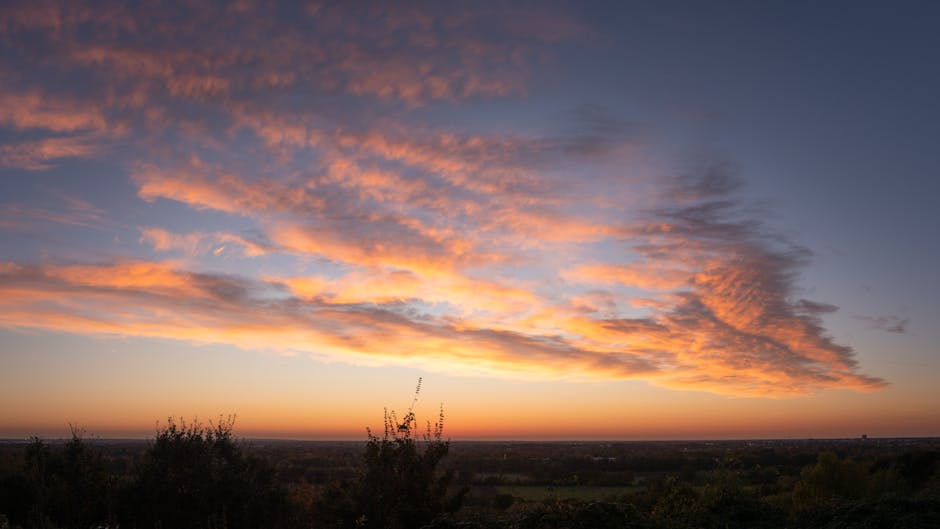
289 212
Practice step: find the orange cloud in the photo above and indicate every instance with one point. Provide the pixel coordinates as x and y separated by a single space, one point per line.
645 276
158 300
198 243
227 192
717 310
446 248
313 220
470 298
358 319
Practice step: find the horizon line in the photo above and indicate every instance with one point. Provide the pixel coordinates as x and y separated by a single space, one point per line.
12 440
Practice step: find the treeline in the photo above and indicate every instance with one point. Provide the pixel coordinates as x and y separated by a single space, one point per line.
190 476
202 477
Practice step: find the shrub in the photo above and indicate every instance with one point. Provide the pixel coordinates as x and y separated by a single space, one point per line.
198 477
400 486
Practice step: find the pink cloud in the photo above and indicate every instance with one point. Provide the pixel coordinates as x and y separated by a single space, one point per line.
38 155
38 111
446 248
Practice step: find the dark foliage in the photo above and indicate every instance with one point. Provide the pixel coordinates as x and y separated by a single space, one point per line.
590 515
61 486
887 513
722 502
197 477
400 486
192 476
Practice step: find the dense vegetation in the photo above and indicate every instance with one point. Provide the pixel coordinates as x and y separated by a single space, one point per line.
196 476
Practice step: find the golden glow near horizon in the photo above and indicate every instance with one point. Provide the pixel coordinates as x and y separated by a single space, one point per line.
337 190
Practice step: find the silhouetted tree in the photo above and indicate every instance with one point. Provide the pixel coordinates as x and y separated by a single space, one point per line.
400 486
60 486
197 477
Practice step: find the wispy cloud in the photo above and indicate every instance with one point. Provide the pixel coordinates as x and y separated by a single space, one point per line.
158 300
716 290
413 54
199 243
69 211
37 155
378 238
893 324
49 111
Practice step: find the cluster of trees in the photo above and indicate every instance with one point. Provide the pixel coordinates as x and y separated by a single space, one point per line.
191 476
201 477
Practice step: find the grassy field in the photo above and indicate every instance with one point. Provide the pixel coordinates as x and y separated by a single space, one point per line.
567 492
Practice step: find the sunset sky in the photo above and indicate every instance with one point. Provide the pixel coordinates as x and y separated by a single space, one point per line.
623 220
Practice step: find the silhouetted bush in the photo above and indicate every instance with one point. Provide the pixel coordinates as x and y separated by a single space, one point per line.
400 486
197 477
